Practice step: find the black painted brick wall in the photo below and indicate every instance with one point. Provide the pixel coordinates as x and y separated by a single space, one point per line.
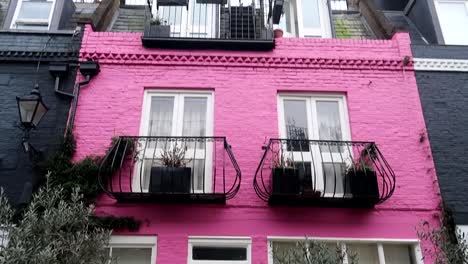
17 77
444 97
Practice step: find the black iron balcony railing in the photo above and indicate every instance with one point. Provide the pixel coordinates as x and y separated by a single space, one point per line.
323 173
208 24
170 169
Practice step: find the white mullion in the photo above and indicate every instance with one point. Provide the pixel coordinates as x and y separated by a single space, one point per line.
381 254
418 254
299 18
324 19
317 166
178 115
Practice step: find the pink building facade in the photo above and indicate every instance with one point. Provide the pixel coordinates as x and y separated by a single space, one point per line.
366 89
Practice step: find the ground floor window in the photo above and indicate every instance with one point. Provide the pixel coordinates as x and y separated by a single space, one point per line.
365 251
133 249
214 250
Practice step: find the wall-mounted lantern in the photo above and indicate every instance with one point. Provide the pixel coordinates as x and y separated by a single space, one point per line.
31 110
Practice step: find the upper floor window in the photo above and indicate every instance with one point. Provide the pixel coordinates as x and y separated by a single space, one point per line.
133 249
33 14
305 18
213 250
367 252
453 20
177 122
305 120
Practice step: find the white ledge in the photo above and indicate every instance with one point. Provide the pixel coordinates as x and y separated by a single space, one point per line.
429 64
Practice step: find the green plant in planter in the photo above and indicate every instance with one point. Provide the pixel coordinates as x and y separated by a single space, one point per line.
173 176
158 21
174 157
285 175
362 177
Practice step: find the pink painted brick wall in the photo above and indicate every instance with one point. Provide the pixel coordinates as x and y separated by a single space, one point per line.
383 104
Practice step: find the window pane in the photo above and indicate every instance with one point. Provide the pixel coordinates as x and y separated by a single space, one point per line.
292 252
334 174
295 117
310 14
328 114
367 253
132 255
398 254
35 10
161 116
453 17
219 253
194 116
285 21
198 171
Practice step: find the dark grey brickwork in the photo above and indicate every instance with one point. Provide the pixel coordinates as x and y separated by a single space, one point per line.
17 77
444 97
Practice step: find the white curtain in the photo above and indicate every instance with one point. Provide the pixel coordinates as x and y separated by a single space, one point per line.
162 109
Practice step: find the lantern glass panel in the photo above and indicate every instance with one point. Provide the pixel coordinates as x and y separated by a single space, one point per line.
40 112
27 109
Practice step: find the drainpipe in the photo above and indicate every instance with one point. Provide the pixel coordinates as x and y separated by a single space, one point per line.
89 69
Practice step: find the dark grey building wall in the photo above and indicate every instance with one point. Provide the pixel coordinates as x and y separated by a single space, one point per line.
396 5
17 77
440 52
444 98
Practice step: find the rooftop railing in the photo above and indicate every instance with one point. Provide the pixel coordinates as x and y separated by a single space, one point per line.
218 24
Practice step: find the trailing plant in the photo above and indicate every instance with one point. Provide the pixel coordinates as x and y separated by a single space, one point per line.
312 252
448 245
83 175
174 157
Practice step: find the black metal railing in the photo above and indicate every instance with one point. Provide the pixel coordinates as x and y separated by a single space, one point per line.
170 169
208 24
318 172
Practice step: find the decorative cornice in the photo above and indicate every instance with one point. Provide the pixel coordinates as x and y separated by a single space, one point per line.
246 61
429 64
16 55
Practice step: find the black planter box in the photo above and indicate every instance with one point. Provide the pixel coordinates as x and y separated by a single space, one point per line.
285 181
170 180
172 3
158 31
277 11
363 184
216 2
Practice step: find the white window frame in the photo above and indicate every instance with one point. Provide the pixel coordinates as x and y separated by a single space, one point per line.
31 22
438 11
123 241
325 27
311 114
219 242
177 128
414 243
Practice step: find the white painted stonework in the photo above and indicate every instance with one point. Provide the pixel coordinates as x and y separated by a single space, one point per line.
426 64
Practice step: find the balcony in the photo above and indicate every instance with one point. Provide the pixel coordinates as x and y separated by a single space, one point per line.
170 170
323 173
208 24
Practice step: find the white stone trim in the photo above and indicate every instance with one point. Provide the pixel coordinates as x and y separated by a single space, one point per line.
429 64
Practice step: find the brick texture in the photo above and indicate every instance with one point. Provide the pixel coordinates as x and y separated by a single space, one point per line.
384 106
443 96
